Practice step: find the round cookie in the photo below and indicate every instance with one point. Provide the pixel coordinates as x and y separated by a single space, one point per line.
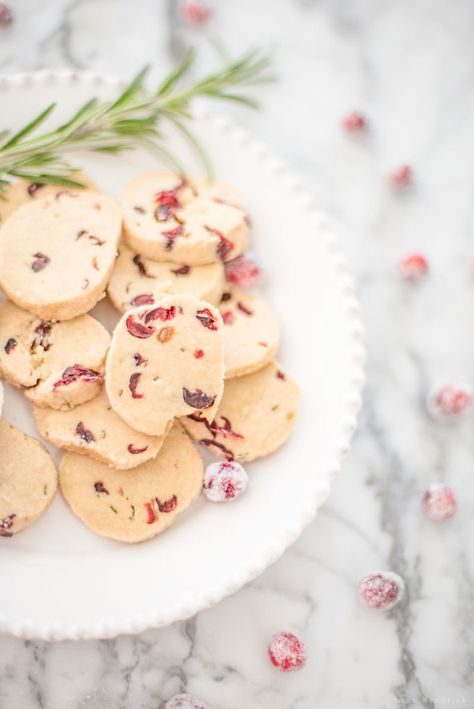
251 333
136 280
166 360
16 194
168 217
256 415
1 399
59 364
57 253
28 480
94 429
133 505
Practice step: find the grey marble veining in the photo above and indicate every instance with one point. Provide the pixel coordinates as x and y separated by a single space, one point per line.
409 66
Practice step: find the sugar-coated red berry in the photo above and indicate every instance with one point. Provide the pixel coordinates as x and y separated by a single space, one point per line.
224 481
195 13
243 272
402 176
287 652
439 502
413 267
449 401
184 701
354 122
381 590
6 15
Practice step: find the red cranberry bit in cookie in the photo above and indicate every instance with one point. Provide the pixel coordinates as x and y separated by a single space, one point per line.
402 176
140 210
198 354
10 345
137 260
209 442
135 451
281 375
354 122
6 524
224 429
287 652
184 701
100 488
439 503
150 513
198 399
84 434
228 317
243 272
168 205
85 284
95 240
40 262
182 270
142 299
224 481
132 385
171 235
243 309
207 319
158 314
72 374
381 590
413 267
450 401
41 335
33 188
139 359
225 245
136 329
167 505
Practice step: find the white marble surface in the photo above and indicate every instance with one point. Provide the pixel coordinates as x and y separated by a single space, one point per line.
408 65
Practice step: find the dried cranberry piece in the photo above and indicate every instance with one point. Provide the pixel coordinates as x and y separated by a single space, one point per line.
182 270
198 354
137 260
207 319
139 359
354 122
402 176
224 430
133 383
136 329
142 299
84 434
96 241
134 451
168 204
228 317
167 505
100 488
33 188
171 235
10 345
40 262
281 375
42 333
75 372
198 399
243 272
210 442
225 245
85 284
151 517
243 308
6 524
159 314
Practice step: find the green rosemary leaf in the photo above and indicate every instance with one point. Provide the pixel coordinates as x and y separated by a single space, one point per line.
29 127
131 90
176 75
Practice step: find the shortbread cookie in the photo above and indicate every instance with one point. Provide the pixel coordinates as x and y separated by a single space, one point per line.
133 505
166 360
251 333
136 281
95 429
28 480
256 415
1 399
16 194
57 253
59 364
172 218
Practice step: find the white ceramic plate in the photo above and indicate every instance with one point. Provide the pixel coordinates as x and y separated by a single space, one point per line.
59 580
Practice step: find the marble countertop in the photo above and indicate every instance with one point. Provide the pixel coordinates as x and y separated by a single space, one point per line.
408 66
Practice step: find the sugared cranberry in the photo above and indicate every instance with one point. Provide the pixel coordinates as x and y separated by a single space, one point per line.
198 399
402 176
207 319
133 384
40 261
287 652
224 481
6 17
184 701
413 267
439 502
381 590
243 272
195 13
354 122
449 401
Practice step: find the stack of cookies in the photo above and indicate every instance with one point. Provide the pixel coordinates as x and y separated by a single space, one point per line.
190 360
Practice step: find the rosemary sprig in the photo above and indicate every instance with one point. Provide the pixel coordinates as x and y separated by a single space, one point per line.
124 123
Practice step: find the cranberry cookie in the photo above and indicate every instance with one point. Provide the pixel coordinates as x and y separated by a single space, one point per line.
168 217
133 505
57 253
59 364
166 360
28 480
95 429
256 416
136 280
